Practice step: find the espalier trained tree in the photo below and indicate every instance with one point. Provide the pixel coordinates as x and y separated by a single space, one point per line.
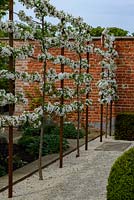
107 85
82 79
30 29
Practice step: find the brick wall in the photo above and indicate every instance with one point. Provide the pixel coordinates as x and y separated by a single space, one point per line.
124 76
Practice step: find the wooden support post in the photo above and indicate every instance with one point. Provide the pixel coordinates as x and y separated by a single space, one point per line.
106 120
101 124
11 111
87 108
78 113
110 126
61 103
61 118
101 106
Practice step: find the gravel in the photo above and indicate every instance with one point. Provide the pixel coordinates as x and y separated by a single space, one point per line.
83 178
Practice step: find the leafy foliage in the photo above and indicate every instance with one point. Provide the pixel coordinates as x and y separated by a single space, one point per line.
96 32
4 82
121 178
3 156
51 144
2 171
69 131
51 140
4 6
27 129
124 126
30 145
51 128
17 162
118 31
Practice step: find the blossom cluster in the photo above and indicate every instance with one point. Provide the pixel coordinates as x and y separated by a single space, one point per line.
107 84
34 118
23 76
64 60
21 53
9 98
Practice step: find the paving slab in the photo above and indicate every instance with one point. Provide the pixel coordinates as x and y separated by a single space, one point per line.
113 146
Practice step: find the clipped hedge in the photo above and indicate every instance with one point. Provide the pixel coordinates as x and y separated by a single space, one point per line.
124 126
121 179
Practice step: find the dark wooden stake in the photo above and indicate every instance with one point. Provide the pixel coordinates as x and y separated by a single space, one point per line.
11 111
78 114
101 106
61 118
101 124
87 108
110 126
101 117
78 134
43 123
43 103
106 120
61 103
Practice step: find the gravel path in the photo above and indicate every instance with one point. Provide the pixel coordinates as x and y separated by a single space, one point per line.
83 178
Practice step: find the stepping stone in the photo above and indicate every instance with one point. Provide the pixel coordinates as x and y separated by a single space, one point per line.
113 146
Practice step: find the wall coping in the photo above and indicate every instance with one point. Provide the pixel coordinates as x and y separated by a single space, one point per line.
94 38
117 38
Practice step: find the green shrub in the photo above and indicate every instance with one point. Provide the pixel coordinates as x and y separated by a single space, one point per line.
3 140
124 126
30 139
121 178
17 162
51 144
51 128
30 144
69 131
3 159
28 129
2 171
